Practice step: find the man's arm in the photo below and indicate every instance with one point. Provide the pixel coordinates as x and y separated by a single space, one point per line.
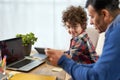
74 69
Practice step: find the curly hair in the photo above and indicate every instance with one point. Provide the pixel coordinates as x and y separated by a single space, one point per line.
74 15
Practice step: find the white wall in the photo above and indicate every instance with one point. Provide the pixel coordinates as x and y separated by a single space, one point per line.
42 17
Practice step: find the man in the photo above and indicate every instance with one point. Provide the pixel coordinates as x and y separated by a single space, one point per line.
105 16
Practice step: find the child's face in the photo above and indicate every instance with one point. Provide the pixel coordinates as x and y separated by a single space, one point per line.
74 30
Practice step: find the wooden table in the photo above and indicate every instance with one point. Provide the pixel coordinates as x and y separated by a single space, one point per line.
46 69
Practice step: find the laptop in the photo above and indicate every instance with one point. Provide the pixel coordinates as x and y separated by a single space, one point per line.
16 59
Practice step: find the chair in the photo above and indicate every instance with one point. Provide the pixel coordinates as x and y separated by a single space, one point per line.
96 38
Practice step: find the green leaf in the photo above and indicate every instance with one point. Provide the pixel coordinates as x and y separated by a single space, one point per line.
28 38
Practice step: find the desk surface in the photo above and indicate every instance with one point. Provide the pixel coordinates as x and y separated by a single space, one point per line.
47 70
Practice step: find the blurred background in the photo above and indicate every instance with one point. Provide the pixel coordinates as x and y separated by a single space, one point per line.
42 17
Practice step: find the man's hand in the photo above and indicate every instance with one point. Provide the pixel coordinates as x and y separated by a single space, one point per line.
54 55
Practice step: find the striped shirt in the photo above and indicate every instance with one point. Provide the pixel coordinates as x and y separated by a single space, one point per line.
82 49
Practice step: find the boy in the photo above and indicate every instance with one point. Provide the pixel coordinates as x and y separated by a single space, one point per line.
81 48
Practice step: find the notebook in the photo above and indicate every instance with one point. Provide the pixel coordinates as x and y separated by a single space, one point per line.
29 76
16 59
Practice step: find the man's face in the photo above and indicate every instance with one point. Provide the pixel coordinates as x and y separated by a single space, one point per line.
97 19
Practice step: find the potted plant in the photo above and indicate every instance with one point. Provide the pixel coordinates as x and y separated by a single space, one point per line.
27 40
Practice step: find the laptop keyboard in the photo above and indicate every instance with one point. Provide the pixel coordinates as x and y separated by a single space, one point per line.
21 63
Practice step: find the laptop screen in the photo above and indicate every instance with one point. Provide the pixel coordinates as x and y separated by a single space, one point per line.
13 49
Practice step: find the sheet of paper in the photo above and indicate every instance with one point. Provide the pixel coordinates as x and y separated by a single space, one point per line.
57 69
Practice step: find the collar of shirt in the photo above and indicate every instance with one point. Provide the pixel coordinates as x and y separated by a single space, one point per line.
82 35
